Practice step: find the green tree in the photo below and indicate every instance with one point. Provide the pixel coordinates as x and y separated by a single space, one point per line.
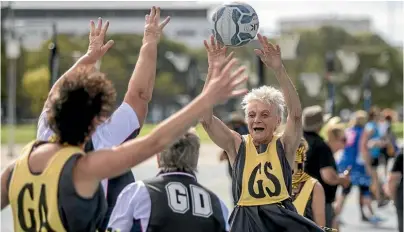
118 63
313 46
36 85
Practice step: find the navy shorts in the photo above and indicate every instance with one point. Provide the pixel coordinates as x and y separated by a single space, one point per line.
363 190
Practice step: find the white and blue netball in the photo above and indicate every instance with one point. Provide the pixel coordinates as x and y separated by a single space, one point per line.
235 24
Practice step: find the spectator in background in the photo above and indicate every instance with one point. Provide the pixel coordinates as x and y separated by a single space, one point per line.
351 159
394 187
371 143
390 148
320 162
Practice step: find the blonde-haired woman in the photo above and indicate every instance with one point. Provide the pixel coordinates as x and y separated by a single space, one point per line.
307 193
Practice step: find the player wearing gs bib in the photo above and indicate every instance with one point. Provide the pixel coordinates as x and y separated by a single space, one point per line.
172 201
127 119
307 193
262 161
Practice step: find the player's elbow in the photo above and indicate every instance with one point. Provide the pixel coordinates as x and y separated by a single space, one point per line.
295 114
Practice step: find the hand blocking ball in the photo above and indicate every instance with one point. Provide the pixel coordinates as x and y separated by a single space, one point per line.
235 24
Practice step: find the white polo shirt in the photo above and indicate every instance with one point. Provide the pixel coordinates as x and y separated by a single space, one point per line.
122 123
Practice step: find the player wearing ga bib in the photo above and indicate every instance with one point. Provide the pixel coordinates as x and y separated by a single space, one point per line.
47 201
262 182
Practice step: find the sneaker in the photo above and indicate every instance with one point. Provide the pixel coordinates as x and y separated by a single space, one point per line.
365 219
383 203
375 219
339 221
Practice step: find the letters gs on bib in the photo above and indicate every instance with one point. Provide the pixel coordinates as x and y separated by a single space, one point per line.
255 179
179 199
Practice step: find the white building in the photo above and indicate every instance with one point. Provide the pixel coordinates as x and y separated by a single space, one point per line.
351 25
189 20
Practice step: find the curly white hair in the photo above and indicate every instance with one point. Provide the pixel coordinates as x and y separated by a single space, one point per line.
266 94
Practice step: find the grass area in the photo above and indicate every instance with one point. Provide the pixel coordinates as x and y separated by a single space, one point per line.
26 133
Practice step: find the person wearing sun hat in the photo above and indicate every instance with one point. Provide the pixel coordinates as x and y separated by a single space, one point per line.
320 162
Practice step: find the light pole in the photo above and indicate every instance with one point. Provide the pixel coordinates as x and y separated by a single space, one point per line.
381 78
12 54
330 68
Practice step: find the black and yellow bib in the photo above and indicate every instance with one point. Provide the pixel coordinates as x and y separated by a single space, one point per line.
262 178
34 198
304 196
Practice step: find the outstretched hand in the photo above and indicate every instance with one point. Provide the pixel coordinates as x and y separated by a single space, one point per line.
224 82
153 29
97 48
216 51
270 54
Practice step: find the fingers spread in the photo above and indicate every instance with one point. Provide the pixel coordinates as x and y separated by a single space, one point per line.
107 46
229 57
152 13
92 28
239 92
260 39
217 45
99 26
105 28
259 52
278 48
147 19
206 44
157 16
228 67
164 23
238 72
212 41
238 81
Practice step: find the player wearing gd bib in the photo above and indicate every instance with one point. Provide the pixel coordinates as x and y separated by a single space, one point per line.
307 193
172 201
262 161
52 188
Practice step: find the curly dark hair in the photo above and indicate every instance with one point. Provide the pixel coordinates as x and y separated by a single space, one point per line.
81 97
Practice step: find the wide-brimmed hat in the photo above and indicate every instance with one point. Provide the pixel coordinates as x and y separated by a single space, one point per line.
312 118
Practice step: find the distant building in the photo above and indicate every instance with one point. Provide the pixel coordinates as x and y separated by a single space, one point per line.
351 25
189 20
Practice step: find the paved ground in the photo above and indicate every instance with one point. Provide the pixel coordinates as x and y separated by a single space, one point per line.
213 175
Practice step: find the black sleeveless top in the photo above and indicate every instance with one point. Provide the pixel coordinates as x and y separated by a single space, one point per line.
273 217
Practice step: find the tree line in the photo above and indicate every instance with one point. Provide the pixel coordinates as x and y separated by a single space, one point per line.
33 72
